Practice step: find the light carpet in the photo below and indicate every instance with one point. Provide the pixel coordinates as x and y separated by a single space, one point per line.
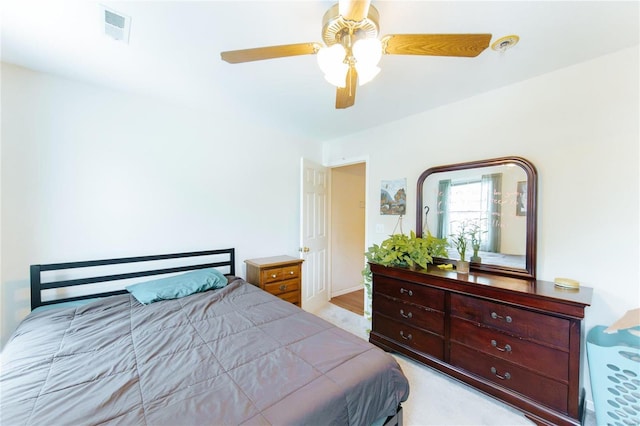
435 399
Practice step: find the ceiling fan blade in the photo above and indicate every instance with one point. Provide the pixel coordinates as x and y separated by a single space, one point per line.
354 10
346 96
270 52
467 45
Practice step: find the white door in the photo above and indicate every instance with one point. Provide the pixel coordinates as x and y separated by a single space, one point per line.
314 235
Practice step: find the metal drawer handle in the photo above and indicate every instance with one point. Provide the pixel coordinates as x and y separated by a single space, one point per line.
273 275
507 348
283 287
496 316
403 291
506 376
409 315
407 337
290 272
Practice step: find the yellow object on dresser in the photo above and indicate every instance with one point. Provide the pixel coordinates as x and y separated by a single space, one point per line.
278 275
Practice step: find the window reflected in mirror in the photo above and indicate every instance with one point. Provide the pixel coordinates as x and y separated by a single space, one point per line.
488 202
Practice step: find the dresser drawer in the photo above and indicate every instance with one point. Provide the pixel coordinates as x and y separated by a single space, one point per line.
271 275
515 321
410 314
411 293
283 287
547 361
407 335
542 389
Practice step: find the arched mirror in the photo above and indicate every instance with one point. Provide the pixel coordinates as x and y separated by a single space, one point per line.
495 200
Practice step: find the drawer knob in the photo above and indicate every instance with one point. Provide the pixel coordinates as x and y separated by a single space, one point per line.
273 275
290 272
404 290
283 287
409 315
507 348
407 337
496 316
506 375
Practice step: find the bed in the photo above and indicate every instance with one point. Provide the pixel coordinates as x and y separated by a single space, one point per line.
228 354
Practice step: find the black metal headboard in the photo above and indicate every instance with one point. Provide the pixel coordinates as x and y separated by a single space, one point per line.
37 286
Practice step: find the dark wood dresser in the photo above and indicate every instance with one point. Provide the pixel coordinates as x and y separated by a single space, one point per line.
279 275
519 340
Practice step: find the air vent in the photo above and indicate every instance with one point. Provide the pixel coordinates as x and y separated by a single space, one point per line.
116 25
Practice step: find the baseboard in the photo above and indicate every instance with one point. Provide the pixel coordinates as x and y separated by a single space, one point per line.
347 290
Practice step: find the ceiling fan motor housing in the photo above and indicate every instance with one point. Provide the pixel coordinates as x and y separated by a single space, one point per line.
335 27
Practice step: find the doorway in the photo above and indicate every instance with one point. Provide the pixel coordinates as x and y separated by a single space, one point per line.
347 234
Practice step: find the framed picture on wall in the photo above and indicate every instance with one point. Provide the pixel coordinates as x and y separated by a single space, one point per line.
393 197
521 201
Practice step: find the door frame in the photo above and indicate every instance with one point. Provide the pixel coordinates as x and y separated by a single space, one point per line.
341 163
329 167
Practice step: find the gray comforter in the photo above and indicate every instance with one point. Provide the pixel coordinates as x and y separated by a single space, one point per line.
232 356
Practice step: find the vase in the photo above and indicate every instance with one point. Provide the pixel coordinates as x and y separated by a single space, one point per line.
476 259
462 267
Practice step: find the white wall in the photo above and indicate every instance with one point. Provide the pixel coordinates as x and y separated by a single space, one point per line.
579 127
90 173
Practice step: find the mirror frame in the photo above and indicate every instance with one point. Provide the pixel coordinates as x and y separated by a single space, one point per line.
531 229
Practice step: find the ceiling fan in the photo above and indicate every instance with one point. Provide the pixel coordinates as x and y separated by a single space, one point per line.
351 49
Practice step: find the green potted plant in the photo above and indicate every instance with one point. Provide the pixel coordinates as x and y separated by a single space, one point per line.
475 234
460 240
402 250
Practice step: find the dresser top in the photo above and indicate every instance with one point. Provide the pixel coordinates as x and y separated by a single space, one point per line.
531 286
273 261
491 285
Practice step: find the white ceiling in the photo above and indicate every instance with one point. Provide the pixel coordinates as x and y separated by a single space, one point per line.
175 46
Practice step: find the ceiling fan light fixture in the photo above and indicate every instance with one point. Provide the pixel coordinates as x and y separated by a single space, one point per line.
368 51
338 77
332 63
330 57
366 73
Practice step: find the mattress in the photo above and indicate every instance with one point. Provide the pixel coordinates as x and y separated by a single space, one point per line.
237 355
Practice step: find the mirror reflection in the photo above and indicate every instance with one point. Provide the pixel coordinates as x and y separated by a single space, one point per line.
488 203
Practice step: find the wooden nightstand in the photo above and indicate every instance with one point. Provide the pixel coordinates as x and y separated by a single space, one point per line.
278 275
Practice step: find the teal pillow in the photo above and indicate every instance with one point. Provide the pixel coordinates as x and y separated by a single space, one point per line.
177 286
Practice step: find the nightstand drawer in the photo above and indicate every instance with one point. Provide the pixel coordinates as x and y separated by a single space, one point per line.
283 287
278 274
271 275
292 296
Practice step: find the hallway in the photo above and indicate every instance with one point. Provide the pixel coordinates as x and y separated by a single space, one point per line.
353 301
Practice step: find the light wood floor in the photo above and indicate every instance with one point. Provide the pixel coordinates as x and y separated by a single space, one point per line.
353 301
